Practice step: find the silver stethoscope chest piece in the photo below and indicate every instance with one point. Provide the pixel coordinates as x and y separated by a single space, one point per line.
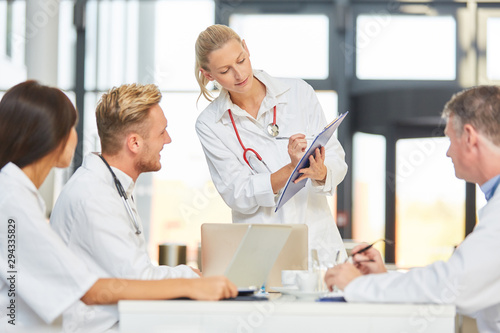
273 130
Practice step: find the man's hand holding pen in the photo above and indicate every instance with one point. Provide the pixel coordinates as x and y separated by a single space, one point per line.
368 260
365 260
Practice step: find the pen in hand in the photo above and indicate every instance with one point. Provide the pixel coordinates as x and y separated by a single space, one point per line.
366 248
361 261
287 137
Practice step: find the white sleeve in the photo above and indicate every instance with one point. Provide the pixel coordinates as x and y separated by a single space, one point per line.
470 279
50 278
101 232
119 249
242 190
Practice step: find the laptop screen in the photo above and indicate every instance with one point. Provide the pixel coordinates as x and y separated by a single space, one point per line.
223 243
256 254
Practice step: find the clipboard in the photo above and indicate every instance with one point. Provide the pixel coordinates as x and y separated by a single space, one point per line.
321 139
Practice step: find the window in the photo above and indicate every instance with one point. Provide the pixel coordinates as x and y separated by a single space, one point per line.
112 47
178 24
369 187
12 43
183 195
493 48
286 45
488 47
430 202
405 47
4 28
67 46
90 137
329 104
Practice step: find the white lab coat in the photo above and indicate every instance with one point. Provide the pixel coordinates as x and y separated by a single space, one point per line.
470 279
49 278
92 220
248 193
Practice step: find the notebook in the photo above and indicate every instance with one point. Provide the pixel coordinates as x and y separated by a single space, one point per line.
220 242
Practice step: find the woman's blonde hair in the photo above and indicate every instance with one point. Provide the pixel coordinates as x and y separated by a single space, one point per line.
213 38
123 110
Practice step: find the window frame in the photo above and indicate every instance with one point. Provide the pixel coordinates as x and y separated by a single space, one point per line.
226 8
396 8
484 12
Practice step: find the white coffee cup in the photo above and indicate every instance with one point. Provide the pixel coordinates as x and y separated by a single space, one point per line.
289 278
307 281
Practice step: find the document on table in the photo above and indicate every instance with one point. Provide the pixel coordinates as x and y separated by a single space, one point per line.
321 139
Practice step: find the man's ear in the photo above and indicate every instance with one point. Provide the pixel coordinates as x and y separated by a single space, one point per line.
134 142
471 136
206 74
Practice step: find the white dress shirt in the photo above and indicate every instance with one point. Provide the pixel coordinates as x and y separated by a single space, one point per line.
470 279
48 277
92 220
249 193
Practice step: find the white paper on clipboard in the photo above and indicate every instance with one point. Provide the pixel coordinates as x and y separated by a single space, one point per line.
321 139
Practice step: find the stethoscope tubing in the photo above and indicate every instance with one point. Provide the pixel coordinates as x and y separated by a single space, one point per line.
246 150
124 197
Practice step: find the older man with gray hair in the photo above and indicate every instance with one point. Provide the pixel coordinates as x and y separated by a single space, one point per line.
470 279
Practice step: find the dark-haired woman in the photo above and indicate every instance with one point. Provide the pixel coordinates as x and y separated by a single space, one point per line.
39 276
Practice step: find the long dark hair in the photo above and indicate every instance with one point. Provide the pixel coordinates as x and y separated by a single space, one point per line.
34 121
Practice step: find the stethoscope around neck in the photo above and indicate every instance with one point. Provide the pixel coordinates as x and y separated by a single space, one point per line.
124 197
272 130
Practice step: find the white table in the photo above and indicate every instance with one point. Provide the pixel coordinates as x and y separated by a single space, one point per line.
283 314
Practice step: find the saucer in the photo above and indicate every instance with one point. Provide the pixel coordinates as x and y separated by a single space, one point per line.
294 291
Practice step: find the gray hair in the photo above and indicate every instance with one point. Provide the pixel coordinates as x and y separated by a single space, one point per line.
478 106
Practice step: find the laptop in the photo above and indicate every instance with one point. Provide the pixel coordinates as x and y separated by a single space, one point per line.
234 250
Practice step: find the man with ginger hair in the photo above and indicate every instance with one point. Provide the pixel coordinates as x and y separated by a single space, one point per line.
91 216
470 279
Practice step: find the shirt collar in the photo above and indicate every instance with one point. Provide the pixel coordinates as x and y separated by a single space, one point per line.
15 173
490 187
93 162
275 94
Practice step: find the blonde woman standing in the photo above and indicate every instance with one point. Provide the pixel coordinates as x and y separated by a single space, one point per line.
238 130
